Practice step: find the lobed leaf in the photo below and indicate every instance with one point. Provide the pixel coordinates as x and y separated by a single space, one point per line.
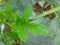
22 34
27 12
38 29
20 30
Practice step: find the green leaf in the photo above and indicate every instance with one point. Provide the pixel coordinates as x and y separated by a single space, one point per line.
27 12
15 27
12 35
23 34
38 29
20 30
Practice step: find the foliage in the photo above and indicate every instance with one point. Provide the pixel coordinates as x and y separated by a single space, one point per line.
21 24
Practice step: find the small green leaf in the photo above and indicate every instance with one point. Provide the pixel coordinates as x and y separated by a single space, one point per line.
27 12
23 34
38 29
20 30
14 35
15 27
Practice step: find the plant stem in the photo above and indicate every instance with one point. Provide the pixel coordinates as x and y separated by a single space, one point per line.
46 13
55 12
8 24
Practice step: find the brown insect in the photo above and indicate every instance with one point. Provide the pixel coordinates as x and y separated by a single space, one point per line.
38 7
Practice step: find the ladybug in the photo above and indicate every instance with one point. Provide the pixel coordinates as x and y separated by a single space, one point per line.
39 6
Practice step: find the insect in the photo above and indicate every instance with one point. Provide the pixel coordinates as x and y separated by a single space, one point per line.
39 6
